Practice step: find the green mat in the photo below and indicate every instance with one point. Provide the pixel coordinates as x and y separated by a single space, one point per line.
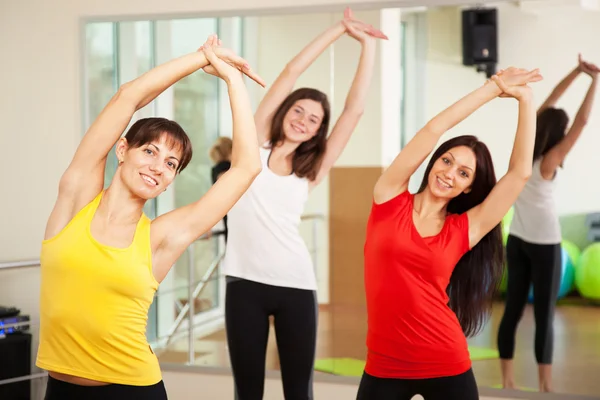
482 353
341 366
525 389
354 367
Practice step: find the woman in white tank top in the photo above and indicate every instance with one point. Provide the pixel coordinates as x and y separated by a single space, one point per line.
533 248
268 266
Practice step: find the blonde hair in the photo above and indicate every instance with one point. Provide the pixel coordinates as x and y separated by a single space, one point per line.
221 150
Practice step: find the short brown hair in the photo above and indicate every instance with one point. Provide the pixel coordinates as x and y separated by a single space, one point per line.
148 130
309 155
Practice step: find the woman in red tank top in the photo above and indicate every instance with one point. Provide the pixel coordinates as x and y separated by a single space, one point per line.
434 259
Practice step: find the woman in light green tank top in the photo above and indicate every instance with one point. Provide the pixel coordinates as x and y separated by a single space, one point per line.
90 363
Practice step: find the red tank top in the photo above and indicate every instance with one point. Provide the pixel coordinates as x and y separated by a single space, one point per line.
412 333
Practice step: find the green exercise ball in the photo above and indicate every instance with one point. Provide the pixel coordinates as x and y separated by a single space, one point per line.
506 225
587 273
573 251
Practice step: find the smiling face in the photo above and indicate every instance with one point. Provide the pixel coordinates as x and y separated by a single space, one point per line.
149 169
453 172
303 120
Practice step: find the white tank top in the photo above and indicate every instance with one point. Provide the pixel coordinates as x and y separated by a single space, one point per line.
264 243
535 217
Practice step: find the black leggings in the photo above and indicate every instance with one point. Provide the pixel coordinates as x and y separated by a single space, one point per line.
59 390
528 263
459 387
248 306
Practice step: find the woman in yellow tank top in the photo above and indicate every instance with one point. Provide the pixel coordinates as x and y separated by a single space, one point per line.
102 259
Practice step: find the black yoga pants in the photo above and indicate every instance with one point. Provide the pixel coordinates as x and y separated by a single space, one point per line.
458 387
248 306
59 390
529 263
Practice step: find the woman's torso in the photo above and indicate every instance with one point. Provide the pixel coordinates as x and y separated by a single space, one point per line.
264 243
94 306
535 218
412 333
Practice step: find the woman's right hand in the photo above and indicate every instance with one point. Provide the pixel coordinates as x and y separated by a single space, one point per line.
358 29
519 76
587 67
519 92
235 63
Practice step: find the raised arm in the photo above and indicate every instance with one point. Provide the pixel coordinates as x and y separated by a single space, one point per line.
173 232
484 217
559 90
555 157
395 179
286 80
355 101
84 177
563 85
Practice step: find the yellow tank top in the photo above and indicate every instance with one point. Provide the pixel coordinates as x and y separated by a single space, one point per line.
94 305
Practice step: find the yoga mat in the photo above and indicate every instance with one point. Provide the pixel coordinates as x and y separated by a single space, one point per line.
524 389
354 367
482 353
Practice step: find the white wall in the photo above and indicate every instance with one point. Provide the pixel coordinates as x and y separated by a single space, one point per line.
537 35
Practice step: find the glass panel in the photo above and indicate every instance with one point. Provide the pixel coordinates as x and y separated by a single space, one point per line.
402 113
102 77
196 109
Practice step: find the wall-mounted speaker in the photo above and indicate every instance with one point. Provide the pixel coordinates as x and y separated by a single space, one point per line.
480 39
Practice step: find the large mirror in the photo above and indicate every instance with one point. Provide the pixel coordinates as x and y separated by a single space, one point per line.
433 56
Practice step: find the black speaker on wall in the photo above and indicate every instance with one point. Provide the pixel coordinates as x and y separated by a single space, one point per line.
480 39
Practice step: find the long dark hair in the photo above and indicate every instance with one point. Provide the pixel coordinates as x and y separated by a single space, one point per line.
477 274
309 155
550 130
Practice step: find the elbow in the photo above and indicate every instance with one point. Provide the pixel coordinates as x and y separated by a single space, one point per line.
255 170
355 111
125 90
252 169
520 171
291 70
126 94
522 174
433 129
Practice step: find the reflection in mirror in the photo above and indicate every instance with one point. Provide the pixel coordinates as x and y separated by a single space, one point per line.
303 280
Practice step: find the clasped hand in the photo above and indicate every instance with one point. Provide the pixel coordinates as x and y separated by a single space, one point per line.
514 82
225 64
359 30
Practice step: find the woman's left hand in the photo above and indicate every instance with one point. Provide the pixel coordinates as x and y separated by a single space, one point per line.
360 30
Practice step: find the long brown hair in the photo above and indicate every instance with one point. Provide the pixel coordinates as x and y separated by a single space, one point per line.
477 275
550 130
309 155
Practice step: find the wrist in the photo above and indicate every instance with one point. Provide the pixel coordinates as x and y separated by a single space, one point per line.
200 59
525 97
339 27
234 80
492 88
368 43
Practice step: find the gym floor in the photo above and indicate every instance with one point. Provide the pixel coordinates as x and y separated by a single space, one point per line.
342 334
